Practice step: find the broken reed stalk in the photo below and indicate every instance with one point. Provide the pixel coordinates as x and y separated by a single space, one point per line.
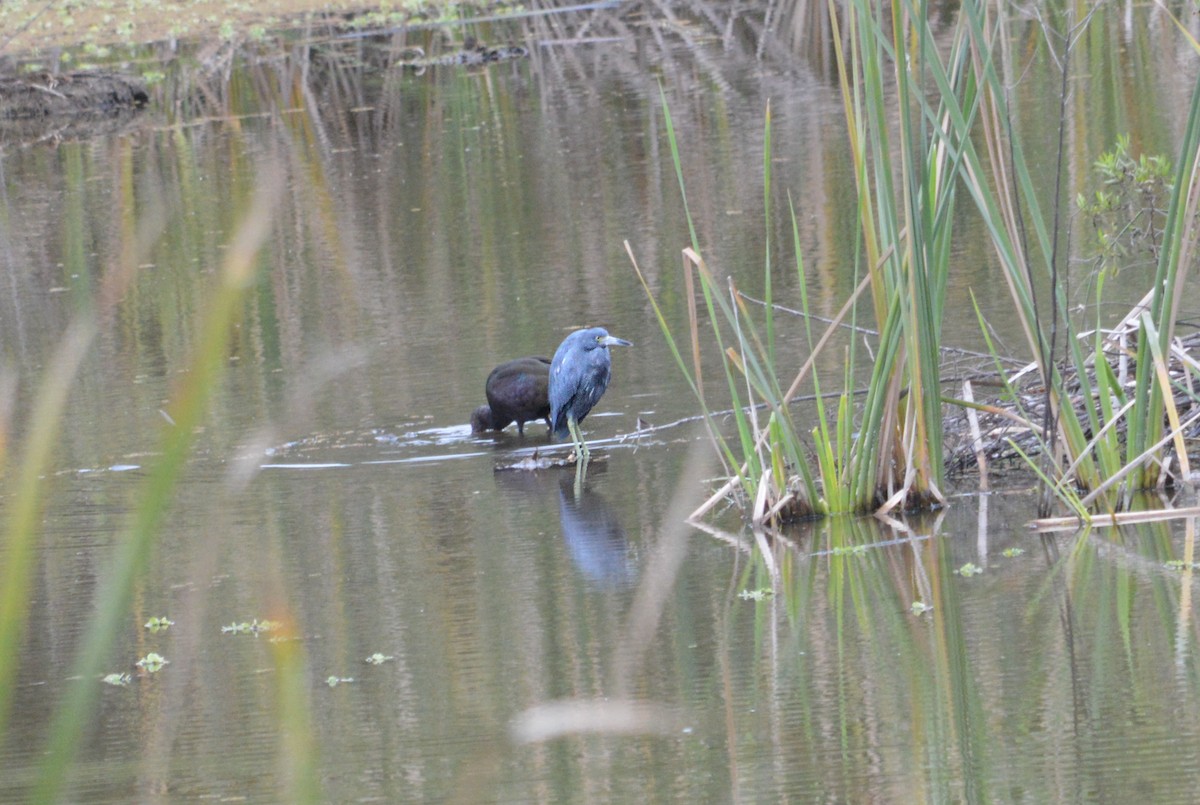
1115 519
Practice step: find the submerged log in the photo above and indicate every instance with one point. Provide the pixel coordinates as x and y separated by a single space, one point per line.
471 54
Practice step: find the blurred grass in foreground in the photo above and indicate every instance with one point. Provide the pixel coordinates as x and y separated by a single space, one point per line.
185 415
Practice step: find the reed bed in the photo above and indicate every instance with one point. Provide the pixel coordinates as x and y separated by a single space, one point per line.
1103 419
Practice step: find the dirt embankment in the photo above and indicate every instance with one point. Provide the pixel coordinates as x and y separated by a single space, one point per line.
44 95
57 74
35 27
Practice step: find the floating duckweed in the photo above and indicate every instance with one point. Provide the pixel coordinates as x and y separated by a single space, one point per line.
253 627
379 659
850 550
919 608
119 680
334 681
756 595
159 624
152 662
1179 564
1011 552
969 569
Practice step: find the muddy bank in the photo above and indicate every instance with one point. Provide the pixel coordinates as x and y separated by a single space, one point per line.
44 95
39 107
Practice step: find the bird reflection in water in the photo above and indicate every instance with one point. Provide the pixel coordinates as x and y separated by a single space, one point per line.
594 536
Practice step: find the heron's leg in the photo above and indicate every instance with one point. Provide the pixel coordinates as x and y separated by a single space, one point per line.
581 448
574 436
580 474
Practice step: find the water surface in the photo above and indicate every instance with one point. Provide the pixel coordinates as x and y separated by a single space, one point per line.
433 225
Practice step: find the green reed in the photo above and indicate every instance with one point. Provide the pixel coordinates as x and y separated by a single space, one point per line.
906 152
906 155
32 466
765 446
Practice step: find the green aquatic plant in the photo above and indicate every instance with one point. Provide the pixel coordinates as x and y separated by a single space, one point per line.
253 627
761 594
185 412
1011 553
1129 212
379 659
769 468
152 663
117 679
968 570
159 624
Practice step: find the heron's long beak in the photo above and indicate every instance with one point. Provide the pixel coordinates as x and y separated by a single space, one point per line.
613 341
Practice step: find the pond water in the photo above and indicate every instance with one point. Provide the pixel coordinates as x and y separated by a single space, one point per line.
541 643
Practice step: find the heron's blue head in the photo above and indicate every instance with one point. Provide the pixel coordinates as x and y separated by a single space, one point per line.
596 337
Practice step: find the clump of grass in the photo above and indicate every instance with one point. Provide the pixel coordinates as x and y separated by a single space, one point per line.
764 453
886 454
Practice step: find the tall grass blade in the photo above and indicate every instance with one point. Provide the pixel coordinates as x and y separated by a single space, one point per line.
31 482
186 412
21 527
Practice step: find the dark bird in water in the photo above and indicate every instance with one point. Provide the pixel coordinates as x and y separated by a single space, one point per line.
516 391
579 375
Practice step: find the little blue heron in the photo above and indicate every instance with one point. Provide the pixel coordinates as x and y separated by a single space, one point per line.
578 377
517 390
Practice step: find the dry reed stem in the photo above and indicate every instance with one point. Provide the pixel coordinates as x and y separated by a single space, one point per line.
976 436
1164 381
1050 524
